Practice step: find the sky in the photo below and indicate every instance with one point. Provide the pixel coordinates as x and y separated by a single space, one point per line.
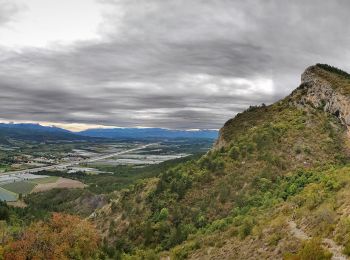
179 64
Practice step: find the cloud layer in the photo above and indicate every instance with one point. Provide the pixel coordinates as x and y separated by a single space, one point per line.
175 64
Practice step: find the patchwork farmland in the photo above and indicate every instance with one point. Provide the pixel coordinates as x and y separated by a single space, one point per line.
14 185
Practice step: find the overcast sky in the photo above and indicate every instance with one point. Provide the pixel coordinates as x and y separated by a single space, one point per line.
159 63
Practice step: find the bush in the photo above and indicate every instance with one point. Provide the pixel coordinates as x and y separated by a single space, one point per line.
164 213
114 207
234 152
246 228
343 234
179 253
4 211
311 250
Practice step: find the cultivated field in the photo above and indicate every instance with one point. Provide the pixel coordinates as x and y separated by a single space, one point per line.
13 185
23 187
6 195
59 184
45 180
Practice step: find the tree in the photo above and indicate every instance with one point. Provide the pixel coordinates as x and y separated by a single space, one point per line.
4 212
61 237
164 213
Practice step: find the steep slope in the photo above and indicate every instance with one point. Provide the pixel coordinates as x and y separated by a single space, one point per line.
269 164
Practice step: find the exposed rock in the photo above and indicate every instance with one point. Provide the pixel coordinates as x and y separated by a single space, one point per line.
220 142
321 94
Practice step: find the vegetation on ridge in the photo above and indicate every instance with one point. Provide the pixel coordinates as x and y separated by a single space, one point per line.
338 79
333 70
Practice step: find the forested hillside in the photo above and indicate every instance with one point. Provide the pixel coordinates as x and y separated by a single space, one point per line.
271 165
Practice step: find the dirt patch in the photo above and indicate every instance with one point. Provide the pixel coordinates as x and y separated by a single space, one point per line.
61 183
297 232
17 204
329 244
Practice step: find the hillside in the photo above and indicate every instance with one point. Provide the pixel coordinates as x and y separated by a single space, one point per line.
277 176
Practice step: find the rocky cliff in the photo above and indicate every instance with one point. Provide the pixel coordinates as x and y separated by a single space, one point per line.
322 91
322 87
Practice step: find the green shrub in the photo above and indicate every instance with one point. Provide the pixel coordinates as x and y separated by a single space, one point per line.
234 153
163 214
311 250
333 70
343 234
246 228
182 252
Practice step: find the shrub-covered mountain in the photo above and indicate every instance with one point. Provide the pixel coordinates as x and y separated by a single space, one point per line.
276 185
148 133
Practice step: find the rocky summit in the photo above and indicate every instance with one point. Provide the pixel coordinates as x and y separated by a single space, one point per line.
326 88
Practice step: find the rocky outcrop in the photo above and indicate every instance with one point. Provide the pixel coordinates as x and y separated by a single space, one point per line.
321 94
220 142
316 90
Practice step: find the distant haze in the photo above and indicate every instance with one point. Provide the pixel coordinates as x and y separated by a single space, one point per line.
180 64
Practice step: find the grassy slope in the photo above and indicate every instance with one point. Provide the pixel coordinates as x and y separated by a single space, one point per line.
226 189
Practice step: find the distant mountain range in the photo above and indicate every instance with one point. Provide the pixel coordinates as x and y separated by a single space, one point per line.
33 127
141 133
37 132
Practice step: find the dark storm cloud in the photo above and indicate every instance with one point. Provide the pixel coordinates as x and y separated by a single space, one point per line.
177 64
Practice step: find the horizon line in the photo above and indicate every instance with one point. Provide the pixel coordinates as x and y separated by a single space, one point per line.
79 127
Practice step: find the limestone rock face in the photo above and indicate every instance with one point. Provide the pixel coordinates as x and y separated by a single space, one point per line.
220 142
321 94
318 89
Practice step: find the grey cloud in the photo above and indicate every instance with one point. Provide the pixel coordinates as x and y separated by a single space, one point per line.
8 10
165 63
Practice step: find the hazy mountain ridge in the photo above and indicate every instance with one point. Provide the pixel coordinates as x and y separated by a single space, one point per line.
271 165
136 133
37 132
29 126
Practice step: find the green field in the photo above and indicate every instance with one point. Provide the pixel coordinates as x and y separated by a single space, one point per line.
6 195
44 180
23 187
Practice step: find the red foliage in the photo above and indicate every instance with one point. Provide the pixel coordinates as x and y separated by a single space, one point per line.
62 237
